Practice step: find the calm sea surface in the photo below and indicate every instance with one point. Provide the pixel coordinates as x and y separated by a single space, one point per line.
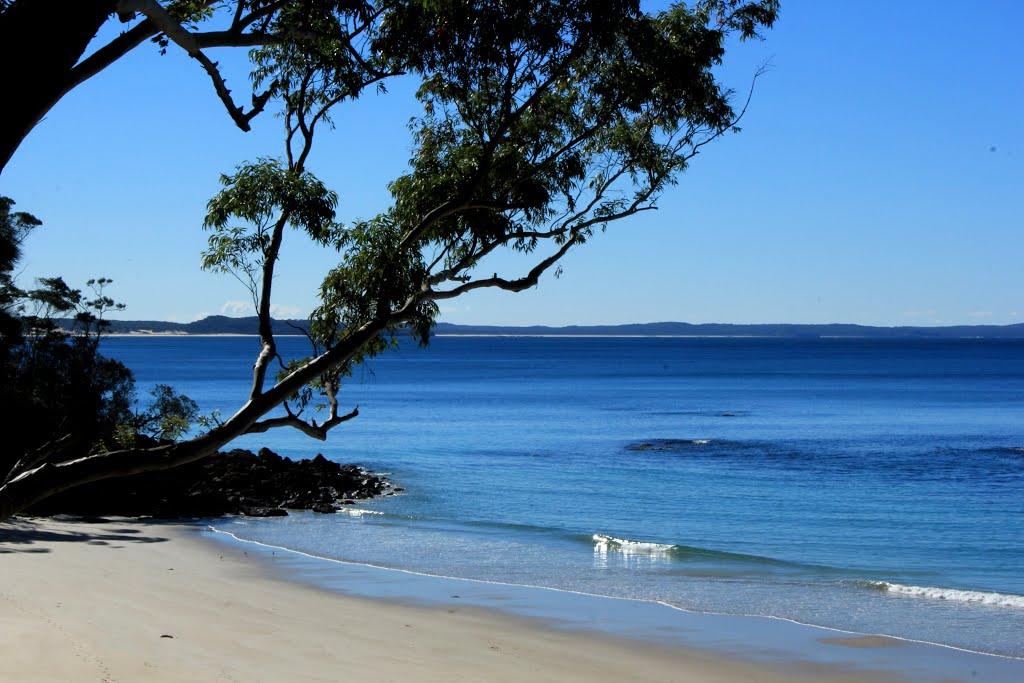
875 486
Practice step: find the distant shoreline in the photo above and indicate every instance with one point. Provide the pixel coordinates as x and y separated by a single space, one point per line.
223 326
177 335
517 335
189 334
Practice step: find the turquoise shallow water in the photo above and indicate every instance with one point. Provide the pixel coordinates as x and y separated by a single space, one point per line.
874 486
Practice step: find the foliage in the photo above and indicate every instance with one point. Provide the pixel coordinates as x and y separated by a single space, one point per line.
65 397
257 194
15 226
542 122
169 416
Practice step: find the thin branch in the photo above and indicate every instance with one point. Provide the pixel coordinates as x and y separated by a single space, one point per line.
308 428
450 208
517 285
229 38
236 21
256 15
447 208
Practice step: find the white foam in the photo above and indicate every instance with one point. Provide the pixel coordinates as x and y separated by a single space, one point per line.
604 544
701 442
952 594
359 512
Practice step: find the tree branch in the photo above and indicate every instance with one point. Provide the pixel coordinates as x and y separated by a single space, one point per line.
232 39
308 428
268 348
162 20
48 479
110 53
450 208
517 285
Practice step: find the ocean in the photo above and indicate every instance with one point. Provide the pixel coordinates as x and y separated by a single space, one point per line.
871 486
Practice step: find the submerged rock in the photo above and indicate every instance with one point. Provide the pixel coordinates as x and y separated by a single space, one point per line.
670 445
234 482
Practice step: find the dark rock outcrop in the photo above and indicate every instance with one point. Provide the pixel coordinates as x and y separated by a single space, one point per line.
263 484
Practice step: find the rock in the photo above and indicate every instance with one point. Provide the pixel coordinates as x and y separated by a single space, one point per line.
265 512
268 456
325 509
232 482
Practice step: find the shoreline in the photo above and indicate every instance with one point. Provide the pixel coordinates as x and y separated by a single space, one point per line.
751 638
829 634
97 599
129 600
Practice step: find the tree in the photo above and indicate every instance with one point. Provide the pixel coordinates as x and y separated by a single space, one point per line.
54 37
542 124
15 226
63 395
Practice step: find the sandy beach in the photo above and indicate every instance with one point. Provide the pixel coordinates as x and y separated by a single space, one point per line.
131 601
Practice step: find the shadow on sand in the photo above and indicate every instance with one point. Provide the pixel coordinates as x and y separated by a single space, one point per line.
22 536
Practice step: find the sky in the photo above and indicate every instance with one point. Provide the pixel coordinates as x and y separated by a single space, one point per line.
878 179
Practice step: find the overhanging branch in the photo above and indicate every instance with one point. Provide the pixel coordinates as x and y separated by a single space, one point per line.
162 20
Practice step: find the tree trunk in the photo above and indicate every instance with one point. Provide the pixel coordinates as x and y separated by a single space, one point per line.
40 42
50 478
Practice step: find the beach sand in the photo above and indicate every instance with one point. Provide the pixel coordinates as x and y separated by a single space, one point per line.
133 601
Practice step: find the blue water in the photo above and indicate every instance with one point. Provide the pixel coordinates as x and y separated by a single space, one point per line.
874 486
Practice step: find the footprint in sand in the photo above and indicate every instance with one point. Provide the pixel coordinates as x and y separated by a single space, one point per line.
79 649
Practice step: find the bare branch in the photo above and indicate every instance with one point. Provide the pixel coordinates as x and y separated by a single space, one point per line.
308 428
518 285
162 20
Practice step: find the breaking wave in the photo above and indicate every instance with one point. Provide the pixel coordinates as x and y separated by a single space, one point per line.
605 545
359 512
950 594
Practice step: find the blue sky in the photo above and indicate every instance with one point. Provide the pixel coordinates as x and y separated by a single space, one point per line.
879 179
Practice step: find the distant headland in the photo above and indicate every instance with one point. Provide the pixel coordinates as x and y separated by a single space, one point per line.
224 325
